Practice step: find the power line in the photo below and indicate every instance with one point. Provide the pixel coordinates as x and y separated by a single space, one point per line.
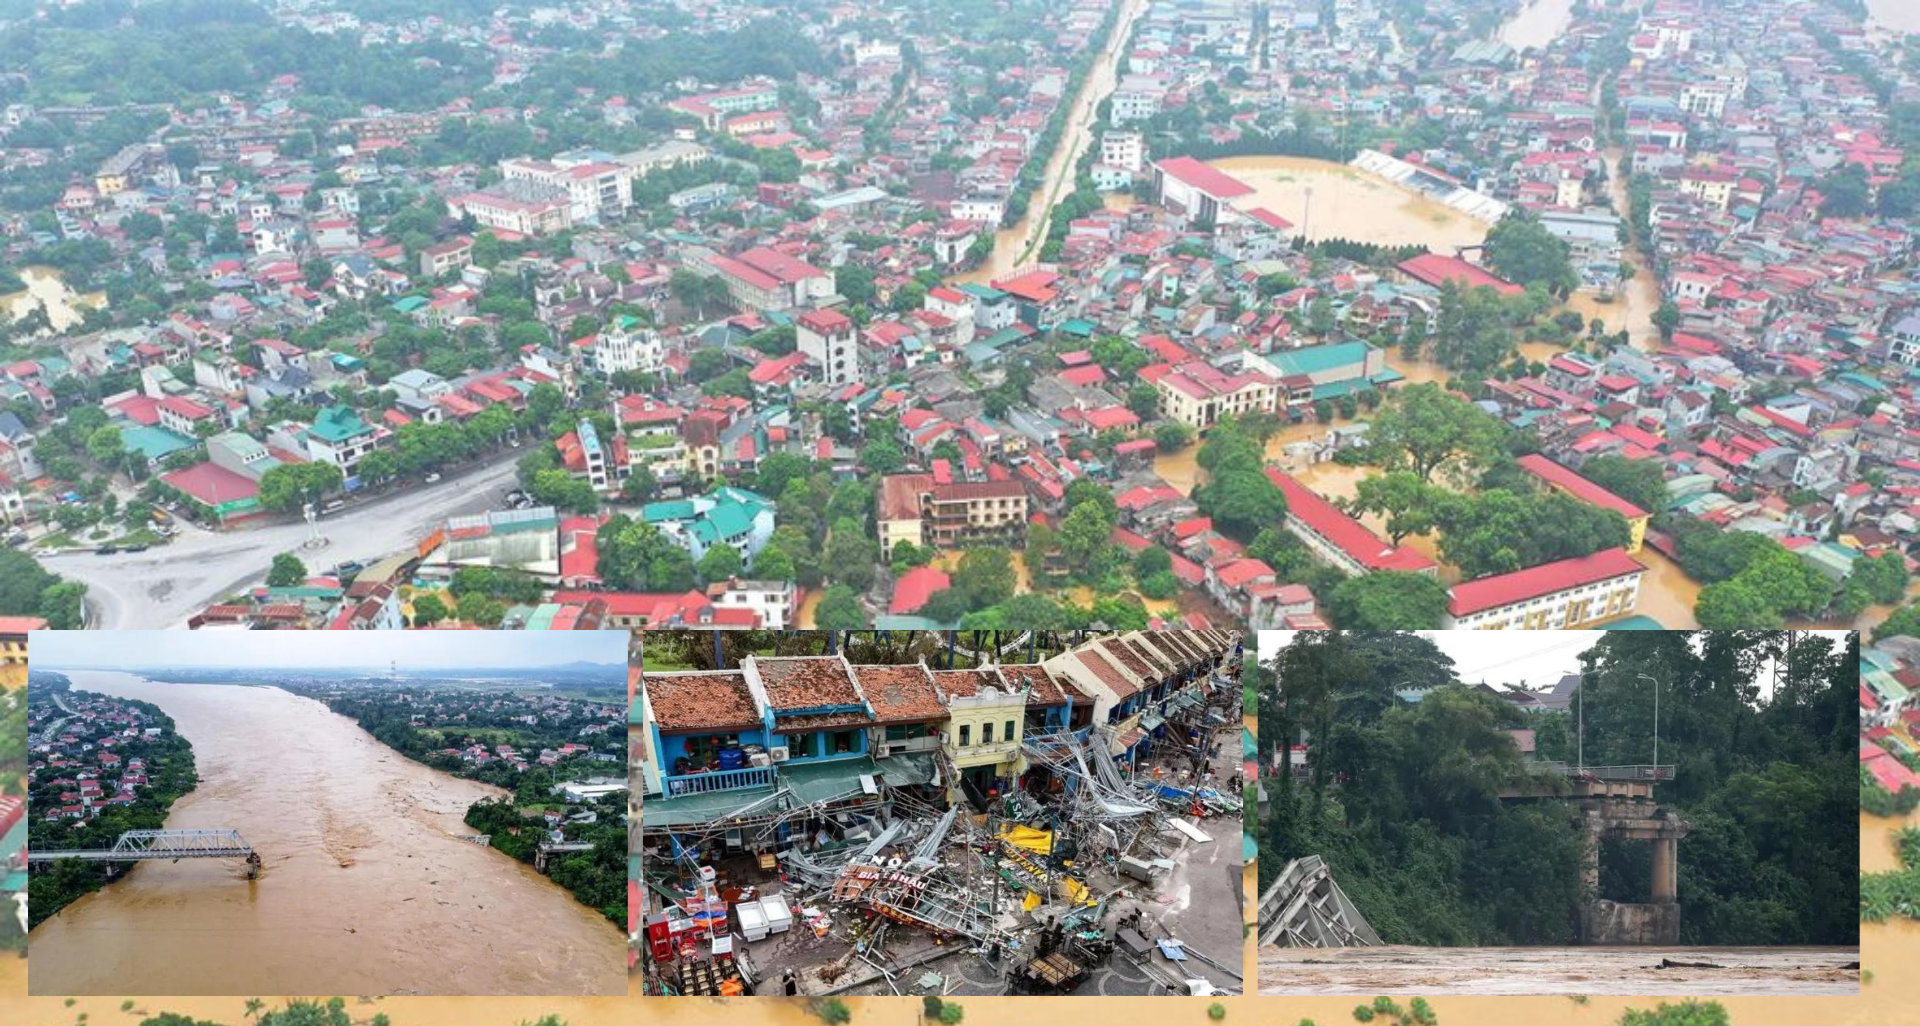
1464 674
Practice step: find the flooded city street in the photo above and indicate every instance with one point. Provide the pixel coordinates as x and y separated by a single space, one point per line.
366 889
1574 970
1015 246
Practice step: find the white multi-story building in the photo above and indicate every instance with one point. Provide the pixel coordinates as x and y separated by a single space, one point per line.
827 337
1567 594
595 190
625 345
1124 150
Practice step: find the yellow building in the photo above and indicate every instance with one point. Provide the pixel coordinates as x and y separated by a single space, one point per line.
984 729
13 647
1565 480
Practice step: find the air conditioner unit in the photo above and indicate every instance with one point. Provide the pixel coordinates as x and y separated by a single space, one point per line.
882 751
778 753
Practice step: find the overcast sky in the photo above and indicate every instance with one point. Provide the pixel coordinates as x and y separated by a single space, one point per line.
324 649
1531 659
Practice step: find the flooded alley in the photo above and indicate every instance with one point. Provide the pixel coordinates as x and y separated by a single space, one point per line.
367 888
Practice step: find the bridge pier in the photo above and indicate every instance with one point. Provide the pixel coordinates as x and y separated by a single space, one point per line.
1655 921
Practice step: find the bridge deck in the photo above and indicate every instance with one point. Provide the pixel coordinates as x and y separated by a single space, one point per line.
144 845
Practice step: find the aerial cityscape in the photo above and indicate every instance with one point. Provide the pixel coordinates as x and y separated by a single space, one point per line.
308 825
1200 314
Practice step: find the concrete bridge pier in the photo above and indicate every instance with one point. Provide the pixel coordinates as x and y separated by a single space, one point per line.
1655 921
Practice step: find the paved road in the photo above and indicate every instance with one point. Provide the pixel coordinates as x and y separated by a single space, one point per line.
162 587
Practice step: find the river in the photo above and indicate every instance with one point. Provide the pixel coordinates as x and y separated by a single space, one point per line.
366 888
45 287
1013 246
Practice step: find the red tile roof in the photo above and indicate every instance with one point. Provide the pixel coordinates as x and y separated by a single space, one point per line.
915 588
1215 183
900 694
1346 533
687 702
1110 676
1436 270
1569 481
1535 582
1042 689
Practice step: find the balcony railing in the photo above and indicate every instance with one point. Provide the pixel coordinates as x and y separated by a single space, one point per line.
718 780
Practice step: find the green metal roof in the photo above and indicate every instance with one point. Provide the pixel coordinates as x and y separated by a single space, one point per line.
154 443
339 424
1320 359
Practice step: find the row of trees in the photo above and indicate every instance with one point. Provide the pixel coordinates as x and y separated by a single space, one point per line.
29 589
1754 581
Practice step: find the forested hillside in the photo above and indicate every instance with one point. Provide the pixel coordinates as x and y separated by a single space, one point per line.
1402 798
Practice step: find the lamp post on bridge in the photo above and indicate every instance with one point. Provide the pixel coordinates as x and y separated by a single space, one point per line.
1656 724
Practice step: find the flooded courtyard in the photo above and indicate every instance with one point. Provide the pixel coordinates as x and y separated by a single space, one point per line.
368 887
1330 200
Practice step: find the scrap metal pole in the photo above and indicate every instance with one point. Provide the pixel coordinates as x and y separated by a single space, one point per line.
719 652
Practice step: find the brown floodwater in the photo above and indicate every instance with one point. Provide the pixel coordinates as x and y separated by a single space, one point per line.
1581 970
1352 204
65 307
1537 23
367 887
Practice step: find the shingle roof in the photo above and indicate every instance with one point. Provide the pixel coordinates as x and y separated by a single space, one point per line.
700 701
806 682
900 694
1042 691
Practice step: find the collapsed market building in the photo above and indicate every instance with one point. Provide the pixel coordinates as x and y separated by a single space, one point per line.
810 824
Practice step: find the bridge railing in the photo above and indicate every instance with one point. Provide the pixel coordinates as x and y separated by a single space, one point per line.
1634 772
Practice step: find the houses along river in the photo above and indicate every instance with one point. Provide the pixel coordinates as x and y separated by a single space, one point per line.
367 888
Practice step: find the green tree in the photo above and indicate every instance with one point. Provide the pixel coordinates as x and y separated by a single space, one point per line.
1389 600
636 556
428 610
985 576
1410 504
287 571
719 563
1424 428
1521 249
292 485
839 609
1640 482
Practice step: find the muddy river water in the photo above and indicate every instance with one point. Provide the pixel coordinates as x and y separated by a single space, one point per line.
367 888
1404 970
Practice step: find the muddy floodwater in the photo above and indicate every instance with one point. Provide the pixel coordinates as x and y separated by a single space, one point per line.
1493 971
65 307
367 887
1895 15
1331 200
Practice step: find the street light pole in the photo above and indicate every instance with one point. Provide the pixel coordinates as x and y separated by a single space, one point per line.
1656 723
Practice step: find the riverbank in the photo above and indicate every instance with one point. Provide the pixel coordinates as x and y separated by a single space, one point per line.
366 889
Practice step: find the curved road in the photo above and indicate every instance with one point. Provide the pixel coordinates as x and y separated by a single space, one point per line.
162 587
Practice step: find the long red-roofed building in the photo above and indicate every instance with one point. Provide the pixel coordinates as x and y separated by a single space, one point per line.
1337 537
1564 594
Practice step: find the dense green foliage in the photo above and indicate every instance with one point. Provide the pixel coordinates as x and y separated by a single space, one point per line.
1402 800
28 589
170 774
